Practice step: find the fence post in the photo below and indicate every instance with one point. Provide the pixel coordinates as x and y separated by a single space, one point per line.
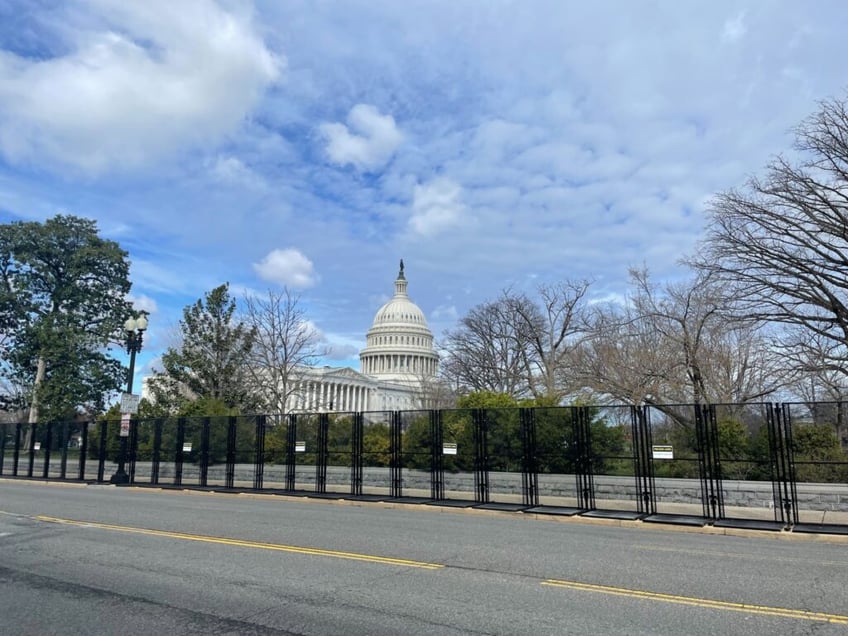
356 452
642 440
230 476
101 451
63 463
323 453
259 457
481 459
157 451
204 451
291 456
437 467
178 452
529 461
395 462
32 436
17 452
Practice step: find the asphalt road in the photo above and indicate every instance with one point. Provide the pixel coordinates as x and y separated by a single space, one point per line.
106 560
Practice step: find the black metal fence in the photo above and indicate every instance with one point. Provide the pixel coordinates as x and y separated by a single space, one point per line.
771 466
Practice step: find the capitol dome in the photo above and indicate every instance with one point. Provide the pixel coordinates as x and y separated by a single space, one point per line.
399 345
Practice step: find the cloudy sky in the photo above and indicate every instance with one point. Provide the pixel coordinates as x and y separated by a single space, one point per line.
313 144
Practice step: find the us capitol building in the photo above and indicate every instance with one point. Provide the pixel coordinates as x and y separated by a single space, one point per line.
394 367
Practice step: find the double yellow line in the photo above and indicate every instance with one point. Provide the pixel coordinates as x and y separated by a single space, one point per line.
355 556
747 608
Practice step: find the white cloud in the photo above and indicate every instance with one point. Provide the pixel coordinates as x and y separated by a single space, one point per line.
143 303
734 29
372 143
139 81
445 313
232 170
436 207
287 267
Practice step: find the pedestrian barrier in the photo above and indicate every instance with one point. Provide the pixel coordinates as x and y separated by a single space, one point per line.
765 466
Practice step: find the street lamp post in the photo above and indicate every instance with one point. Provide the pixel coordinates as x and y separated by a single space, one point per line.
134 331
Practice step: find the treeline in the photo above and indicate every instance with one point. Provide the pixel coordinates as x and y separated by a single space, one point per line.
761 315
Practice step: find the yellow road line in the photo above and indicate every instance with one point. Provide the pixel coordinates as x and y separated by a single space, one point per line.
247 544
702 602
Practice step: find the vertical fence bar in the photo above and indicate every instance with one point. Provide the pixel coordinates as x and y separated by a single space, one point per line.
83 453
291 457
529 459
395 450
232 437
357 450
774 459
790 475
132 448
156 458
437 466
259 456
783 473
323 453
584 468
63 462
17 452
709 462
204 451
642 440
33 429
178 452
481 459
776 463
101 451
45 470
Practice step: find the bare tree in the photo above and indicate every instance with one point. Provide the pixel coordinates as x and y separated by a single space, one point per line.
285 344
781 243
676 345
551 327
488 351
819 382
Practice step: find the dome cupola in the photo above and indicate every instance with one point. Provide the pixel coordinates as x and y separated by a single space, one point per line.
399 345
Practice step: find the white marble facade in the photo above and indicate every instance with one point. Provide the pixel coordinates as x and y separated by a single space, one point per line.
397 360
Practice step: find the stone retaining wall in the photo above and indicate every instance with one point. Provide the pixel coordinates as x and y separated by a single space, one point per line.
746 494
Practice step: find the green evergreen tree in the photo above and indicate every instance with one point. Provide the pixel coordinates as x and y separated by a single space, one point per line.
63 302
211 361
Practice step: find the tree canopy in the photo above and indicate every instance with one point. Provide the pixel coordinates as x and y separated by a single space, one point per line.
211 361
779 243
63 301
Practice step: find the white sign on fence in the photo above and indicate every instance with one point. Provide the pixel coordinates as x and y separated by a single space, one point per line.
662 452
300 447
448 449
129 403
186 447
125 425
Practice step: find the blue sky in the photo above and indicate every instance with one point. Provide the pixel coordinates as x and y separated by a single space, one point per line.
314 144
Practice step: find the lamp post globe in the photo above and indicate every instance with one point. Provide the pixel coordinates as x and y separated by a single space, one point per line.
134 328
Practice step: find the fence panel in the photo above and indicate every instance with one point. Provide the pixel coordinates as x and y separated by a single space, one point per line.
819 447
504 456
417 448
676 453
613 443
459 432
276 452
307 452
376 476
751 452
556 459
